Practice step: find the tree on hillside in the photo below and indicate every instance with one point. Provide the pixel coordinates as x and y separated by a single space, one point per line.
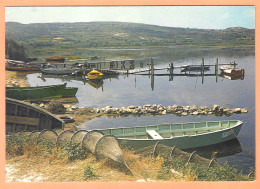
14 50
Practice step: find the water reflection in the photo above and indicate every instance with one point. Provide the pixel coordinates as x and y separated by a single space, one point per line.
229 148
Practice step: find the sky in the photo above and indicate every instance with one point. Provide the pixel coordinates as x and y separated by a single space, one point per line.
203 17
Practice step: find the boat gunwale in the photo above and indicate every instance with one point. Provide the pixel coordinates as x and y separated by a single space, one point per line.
30 106
35 88
239 123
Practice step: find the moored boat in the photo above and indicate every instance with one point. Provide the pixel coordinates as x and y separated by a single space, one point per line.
94 74
69 92
61 71
231 70
13 65
55 59
194 68
181 135
41 92
22 116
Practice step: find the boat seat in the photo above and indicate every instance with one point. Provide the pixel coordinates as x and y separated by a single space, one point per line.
154 134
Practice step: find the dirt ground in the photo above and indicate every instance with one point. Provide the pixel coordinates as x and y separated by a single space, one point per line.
15 79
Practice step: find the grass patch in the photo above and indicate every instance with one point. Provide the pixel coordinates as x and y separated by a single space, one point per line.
71 163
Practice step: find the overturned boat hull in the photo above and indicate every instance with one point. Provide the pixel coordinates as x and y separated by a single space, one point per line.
22 116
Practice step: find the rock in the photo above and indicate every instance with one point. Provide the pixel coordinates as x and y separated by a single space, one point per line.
154 107
195 113
161 109
147 106
186 108
193 107
216 107
107 107
42 105
74 107
237 110
152 111
244 110
131 107
108 111
129 110
184 113
164 112
174 106
98 110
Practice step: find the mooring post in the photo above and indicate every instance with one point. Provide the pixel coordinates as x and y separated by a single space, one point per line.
203 64
152 68
171 68
216 67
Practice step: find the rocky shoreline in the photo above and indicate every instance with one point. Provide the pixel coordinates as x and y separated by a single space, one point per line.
148 109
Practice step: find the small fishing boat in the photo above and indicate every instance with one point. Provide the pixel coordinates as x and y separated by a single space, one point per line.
231 77
69 92
194 68
61 71
181 135
94 74
41 92
22 116
13 65
55 59
231 70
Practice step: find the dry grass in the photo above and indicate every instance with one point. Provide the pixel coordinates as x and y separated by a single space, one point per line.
54 167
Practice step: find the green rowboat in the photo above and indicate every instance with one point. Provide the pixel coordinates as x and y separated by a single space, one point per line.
70 92
41 92
181 135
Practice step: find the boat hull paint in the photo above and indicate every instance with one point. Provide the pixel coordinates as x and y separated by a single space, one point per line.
23 93
59 71
70 92
188 141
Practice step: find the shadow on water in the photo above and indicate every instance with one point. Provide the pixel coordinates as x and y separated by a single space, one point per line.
220 150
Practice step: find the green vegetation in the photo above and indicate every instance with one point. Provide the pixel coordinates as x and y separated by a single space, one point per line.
89 173
203 173
168 169
15 50
55 37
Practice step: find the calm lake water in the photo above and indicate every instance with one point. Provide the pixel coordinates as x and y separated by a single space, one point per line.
123 91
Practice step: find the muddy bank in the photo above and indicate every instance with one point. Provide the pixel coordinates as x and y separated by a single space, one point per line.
15 79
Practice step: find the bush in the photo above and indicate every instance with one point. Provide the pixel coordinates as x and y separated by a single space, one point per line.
73 152
89 173
56 107
15 145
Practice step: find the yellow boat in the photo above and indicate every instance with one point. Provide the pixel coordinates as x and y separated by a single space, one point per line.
94 74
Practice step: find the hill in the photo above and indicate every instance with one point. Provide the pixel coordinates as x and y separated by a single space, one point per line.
121 35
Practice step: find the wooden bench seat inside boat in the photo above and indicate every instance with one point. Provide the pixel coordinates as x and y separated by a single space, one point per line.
154 134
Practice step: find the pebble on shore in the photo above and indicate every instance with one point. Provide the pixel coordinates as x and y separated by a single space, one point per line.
156 110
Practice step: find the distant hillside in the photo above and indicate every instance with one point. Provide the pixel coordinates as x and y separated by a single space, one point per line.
120 34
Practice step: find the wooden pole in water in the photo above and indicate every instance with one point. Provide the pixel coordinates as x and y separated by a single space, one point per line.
202 70
216 70
171 68
152 67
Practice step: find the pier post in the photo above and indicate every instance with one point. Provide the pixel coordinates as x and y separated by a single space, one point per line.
171 68
152 67
216 70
